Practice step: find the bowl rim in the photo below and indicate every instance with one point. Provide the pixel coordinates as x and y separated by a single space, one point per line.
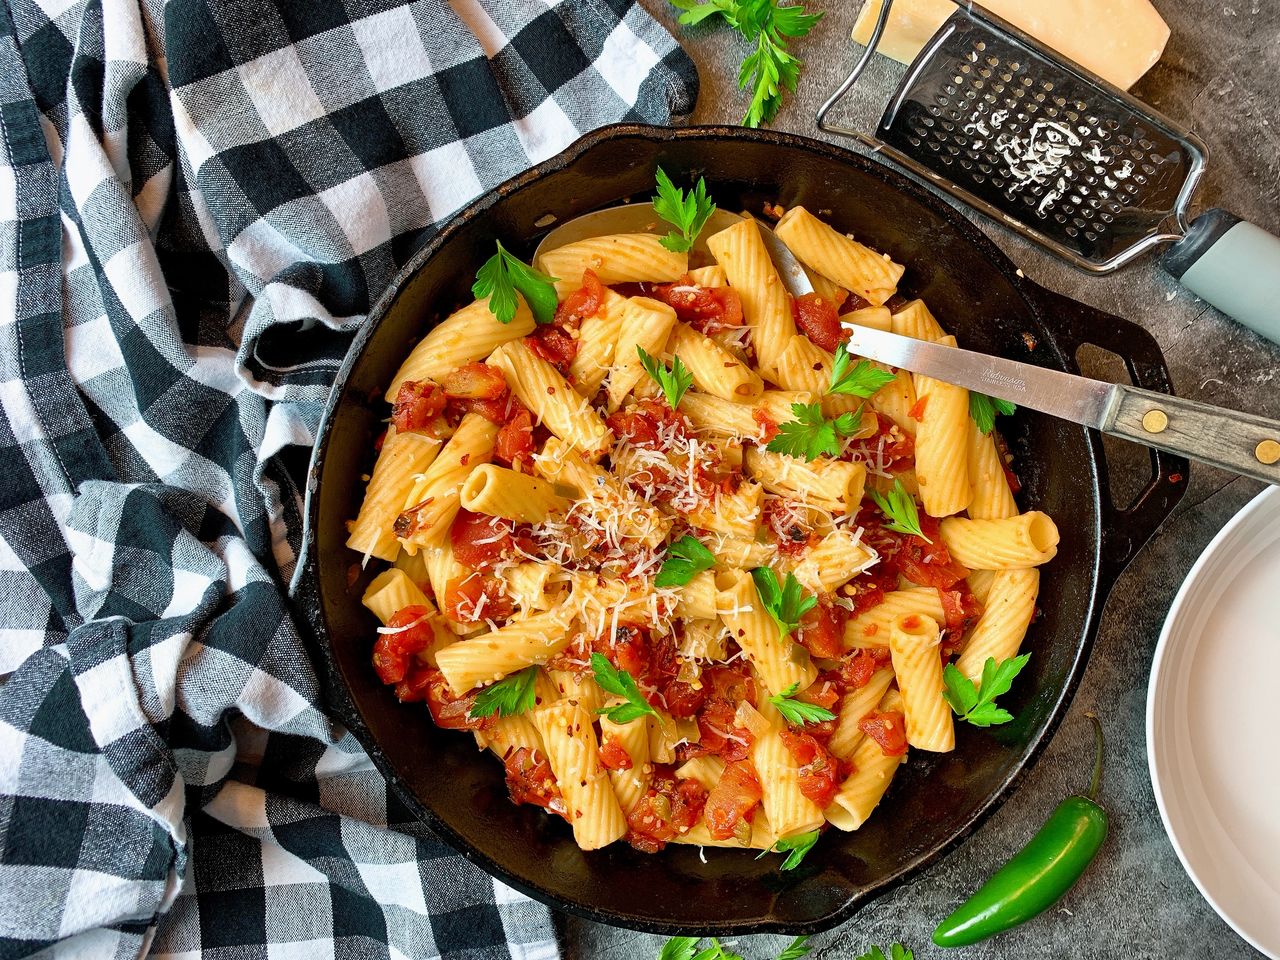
306 589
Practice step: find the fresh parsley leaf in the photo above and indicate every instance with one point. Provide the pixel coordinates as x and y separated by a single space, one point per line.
797 948
679 948
978 706
796 848
620 684
983 410
769 69
503 275
797 712
786 603
511 695
685 557
861 381
811 435
674 382
716 952
687 212
900 509
897 952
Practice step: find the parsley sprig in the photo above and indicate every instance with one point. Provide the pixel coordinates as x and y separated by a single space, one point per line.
900 508
769 68
503 275
674 381
685 557
687 212
861 380
620 684
798 712
511 695
786 603
983 410
811 435
796 848
797 948
896 952
686 948
977 706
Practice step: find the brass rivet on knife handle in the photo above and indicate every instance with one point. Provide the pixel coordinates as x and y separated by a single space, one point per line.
1268 451
1155 421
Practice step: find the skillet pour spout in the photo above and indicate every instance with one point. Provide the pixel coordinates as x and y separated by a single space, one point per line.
935 800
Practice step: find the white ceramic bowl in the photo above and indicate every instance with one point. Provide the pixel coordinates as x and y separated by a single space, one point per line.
1213 723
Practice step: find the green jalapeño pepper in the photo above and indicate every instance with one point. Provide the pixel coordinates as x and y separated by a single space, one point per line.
1038 876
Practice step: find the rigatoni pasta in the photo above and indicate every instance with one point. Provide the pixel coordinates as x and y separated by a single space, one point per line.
703 598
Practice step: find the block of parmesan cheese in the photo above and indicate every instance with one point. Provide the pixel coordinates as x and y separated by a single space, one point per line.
1119 40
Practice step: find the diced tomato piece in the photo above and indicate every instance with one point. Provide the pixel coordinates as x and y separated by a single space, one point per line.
858 669
627 648
820 773
475 381
479 540
683 699
789 523
962 610
649 423
889 729
670 807
817 319
515 445
553 344
707 309
925 563
633 427
825 691
613 755
448 710
416 683
822 628
530 780
417 404
582 303
890 448
476 597
768 426
408 632
732 800
725 687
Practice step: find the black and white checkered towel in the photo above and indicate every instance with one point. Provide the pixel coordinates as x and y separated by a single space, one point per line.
198 201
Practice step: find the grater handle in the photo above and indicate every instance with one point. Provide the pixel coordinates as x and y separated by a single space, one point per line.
1243 443
1234 265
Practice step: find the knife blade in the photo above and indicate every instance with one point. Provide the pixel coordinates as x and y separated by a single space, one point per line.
1078 399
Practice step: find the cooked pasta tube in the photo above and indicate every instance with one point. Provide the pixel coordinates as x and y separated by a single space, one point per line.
896 400
471 333
434 500
715 370
765 303
980 582
778 660
646 324
834 485
913 645
563 410
578 687
850 264
574 756
871 627
415 568
873 770
762 835
855 705
878 318
703 640
597 338
802 365
491 656
697 599
617 258
712 276
505 734
942 445
992 498
629 784
403 458
390 592
741 552
1011 543
737 513
707 770
441 567
828 290
915 320
501 492
719 417
833 561
1006 614
665 732
789 811
777 404
529 584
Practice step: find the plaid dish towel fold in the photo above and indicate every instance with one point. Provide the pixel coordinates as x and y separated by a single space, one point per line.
198 201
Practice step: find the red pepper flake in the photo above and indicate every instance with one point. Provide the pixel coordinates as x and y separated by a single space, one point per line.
464 459
1175 478
916 413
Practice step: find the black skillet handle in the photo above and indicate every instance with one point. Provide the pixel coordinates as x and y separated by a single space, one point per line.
1124 529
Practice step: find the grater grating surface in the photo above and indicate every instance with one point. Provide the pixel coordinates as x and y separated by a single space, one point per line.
1087 168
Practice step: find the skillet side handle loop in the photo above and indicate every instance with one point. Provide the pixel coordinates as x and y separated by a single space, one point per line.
1234 265
1124 530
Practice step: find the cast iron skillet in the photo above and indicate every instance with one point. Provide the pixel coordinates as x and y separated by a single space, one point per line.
935 800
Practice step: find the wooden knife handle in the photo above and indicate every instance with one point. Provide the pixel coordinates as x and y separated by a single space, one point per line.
1240 442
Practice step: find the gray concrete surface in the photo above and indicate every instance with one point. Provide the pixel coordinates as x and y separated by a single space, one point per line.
1219 73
